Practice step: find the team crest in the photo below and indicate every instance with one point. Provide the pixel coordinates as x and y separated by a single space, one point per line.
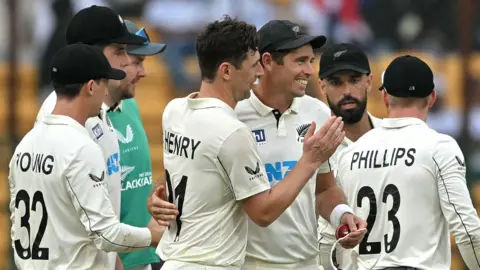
302 131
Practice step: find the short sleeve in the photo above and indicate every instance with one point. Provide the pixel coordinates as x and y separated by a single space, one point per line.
239 158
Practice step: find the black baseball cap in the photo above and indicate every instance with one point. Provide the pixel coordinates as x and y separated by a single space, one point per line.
408 76
284 35
100 25
146 49
343 56
79 63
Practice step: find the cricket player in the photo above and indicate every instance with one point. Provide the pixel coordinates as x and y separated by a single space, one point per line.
408 181
62 215
103 28
214 173
345 79
279 115
135 161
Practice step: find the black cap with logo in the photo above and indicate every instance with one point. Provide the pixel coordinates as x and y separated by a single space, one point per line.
100 25
408 76
79 63
343 56
284 35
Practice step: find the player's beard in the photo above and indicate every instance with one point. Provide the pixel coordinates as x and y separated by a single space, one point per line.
349 116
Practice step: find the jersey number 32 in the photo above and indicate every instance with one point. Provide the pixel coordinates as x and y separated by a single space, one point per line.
34 252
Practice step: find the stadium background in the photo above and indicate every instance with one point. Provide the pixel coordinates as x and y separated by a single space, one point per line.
446 33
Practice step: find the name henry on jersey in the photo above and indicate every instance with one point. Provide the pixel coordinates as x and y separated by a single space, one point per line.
38 163
180 145
382 158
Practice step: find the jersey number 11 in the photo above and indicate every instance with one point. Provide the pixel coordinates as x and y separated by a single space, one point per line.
178 193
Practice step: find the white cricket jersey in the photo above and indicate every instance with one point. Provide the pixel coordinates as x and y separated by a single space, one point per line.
211 164
326 233
292 238
62 217
408 182
102 132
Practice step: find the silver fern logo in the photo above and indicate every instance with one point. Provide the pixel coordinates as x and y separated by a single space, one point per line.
126 170
301 131
128 138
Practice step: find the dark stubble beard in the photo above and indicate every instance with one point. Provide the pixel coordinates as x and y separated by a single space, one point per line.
350 116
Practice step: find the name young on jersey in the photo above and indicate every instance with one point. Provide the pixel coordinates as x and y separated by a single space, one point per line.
38 163
180 145
371 159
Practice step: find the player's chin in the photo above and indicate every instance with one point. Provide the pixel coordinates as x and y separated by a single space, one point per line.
131 91
299 91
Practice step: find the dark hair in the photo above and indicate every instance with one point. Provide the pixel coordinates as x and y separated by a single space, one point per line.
101 46
227 40
70 91
277 56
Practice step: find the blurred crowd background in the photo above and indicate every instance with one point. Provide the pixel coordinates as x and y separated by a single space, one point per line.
445 33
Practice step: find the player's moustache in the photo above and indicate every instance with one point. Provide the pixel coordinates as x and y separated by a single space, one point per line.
348 99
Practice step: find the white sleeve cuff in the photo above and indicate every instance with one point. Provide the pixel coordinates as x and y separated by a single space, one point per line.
337 214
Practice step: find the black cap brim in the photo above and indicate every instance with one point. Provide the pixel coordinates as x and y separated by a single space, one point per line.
316 42
116 74
147 50
340 67
129 39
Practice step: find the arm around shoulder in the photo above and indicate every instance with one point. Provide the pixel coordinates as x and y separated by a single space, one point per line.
85 179
240 160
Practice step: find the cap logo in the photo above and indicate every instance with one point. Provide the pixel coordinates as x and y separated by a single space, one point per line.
120 18
54 69
338 54
296 29
411 88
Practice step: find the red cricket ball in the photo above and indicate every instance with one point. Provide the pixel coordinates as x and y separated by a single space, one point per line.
342 231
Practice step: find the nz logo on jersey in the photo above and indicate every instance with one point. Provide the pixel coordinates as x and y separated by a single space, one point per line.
302 131
278 170
113 164
254 172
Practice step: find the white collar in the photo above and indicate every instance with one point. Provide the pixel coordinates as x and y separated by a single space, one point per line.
263 109
205 103
56 119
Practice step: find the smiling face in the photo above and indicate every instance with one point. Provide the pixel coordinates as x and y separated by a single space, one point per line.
293 71
346 93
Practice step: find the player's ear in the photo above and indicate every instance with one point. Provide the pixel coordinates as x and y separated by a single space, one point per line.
225 71
90 87
369 82
267 61
385 98
323 87
433 97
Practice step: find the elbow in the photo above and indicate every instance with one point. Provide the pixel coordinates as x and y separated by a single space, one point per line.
263 219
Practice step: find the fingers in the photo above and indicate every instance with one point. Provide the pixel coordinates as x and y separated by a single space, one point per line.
325 127
353 239
361 224
351 223
160 192
334 131
310 131
339 140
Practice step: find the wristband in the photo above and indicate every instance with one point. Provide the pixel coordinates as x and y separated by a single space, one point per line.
337 214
